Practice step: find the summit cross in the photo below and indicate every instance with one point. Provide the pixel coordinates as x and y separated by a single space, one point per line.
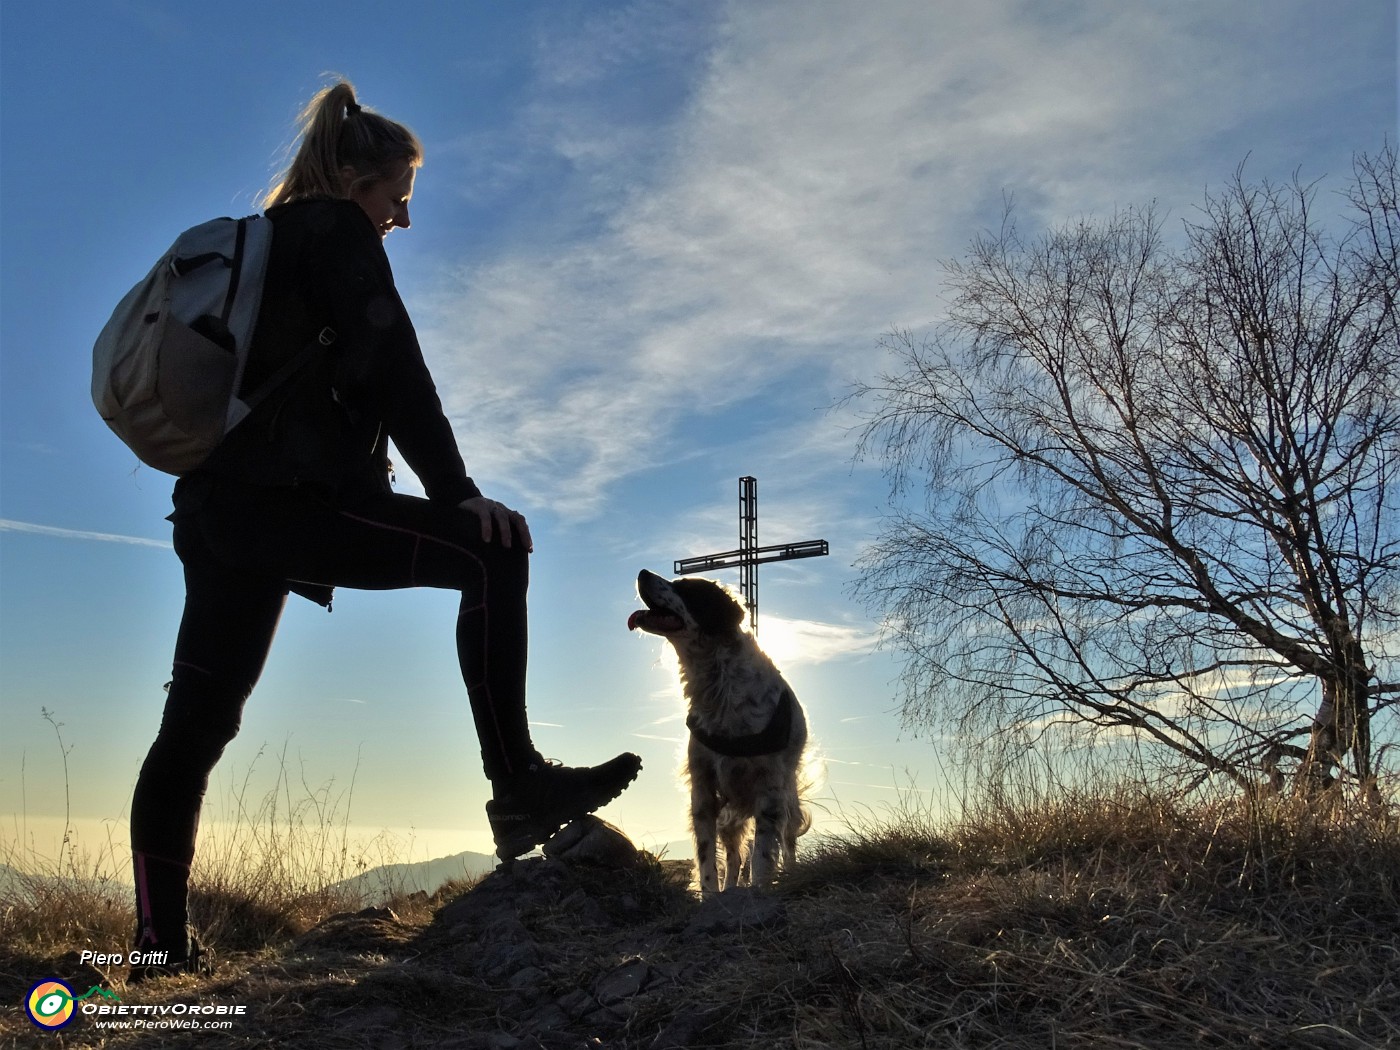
750 555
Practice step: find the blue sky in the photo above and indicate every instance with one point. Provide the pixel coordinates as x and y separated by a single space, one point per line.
654 245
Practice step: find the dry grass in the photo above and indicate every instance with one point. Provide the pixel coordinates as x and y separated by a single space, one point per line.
1111 922
1114 919
48 907
270 870
265 873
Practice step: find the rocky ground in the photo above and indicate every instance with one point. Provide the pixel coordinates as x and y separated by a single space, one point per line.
1102 925
595 945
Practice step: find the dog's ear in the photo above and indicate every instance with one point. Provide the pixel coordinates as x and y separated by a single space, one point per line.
716 611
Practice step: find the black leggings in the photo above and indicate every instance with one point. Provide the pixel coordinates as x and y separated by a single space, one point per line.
241 553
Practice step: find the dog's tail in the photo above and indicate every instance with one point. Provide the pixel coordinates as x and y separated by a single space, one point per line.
811 776
804 820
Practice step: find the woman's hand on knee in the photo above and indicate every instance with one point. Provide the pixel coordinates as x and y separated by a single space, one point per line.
498 522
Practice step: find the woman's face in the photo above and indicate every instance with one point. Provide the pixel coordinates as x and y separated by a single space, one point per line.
385 200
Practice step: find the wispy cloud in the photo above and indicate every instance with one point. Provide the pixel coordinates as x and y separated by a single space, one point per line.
7 525
796 643
796 205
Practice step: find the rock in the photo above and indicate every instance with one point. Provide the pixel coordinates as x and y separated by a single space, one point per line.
622 983
577 1003
507 929
548 1017
604 1018
585 910
527 979
572 947
380 1016
591 840
500 961
512 887
690 1028
474 1041
737 910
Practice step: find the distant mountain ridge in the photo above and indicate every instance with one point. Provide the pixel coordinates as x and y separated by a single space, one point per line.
377 885
17 882
374 886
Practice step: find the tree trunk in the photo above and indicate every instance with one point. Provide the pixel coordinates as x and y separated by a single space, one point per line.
1341 733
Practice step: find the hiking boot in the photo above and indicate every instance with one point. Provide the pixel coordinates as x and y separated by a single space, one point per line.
193 959
528 809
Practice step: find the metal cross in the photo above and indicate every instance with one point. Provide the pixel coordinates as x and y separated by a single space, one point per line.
750 555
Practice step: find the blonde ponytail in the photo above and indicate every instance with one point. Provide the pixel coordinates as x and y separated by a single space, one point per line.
335 132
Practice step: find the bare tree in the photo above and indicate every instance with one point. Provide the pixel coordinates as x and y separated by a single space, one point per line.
1159 484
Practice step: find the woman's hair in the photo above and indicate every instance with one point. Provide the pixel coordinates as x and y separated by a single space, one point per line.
335 132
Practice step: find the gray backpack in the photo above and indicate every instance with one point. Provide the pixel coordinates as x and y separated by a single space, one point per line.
167 367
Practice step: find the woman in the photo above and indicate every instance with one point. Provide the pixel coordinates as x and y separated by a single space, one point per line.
299 498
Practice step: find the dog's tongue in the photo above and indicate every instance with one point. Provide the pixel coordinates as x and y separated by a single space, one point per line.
654 621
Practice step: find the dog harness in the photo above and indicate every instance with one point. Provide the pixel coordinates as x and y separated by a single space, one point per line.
767 741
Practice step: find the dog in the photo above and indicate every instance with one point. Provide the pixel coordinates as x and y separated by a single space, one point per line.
747 731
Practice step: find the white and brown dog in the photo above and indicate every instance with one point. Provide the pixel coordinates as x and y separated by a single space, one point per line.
747 730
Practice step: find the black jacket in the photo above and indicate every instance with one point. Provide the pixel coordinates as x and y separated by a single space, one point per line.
327 428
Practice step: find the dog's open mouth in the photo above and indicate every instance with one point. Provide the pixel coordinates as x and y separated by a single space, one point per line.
654 622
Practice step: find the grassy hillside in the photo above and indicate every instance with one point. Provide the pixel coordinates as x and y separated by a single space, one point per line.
1119 921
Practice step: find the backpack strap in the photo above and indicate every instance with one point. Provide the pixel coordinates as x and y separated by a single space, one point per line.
239 240
325 338
188 264
180 266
